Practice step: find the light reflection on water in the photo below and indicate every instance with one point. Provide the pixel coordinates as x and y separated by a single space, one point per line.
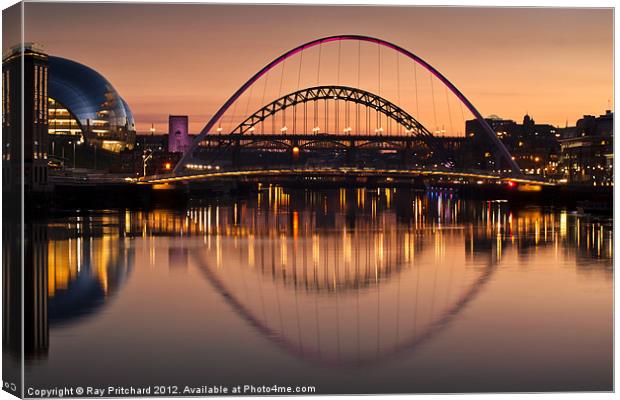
350 290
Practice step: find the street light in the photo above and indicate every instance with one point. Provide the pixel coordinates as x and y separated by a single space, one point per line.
145 158
73 142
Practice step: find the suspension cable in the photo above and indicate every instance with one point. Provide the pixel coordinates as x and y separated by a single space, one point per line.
379 84
263 100
415 79
449 111
280 94
301 57
433 97
359 73
462 117
247 104
398 85
318 69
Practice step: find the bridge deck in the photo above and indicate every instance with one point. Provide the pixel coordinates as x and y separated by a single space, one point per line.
321 137
331 172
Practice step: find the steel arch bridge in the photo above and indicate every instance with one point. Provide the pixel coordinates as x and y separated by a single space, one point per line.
347 94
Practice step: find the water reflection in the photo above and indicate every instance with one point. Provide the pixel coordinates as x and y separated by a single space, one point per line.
345 278
72 269
87 262
394 278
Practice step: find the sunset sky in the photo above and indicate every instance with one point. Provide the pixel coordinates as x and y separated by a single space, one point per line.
555 64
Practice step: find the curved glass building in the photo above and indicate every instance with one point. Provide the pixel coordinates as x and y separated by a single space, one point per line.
82 103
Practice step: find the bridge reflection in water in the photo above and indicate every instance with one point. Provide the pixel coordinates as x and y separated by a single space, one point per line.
344 278
369 280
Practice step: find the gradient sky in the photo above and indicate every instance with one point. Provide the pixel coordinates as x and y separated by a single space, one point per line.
555 64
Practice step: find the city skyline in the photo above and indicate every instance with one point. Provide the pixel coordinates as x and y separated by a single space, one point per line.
191 68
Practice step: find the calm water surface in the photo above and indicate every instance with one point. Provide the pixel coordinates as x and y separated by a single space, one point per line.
350 291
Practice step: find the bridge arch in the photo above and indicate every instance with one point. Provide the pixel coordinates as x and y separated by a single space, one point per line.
278 143
503 151
344 93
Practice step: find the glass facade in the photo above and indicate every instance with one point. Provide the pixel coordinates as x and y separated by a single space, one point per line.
61 121
81 101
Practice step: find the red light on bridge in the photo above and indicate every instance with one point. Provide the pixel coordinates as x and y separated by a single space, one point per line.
512 184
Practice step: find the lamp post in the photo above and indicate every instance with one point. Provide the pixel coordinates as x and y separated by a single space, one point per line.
146 156
76 142
73 142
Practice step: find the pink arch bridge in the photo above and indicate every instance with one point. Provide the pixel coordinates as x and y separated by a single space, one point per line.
500 150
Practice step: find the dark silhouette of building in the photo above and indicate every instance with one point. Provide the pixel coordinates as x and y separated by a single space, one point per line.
533 146
159 159
587 150
27 126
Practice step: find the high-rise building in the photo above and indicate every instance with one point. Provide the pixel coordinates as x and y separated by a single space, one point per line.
178 135
24 121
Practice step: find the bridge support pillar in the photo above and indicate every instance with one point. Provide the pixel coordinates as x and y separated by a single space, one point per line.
351 153
406 155
236 152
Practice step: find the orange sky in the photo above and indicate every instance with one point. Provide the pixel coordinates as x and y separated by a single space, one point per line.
555 64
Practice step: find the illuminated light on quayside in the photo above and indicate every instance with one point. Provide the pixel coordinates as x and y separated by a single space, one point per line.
162 186
295 150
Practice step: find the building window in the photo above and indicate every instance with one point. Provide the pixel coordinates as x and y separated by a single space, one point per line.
6 105
36 94
60 120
